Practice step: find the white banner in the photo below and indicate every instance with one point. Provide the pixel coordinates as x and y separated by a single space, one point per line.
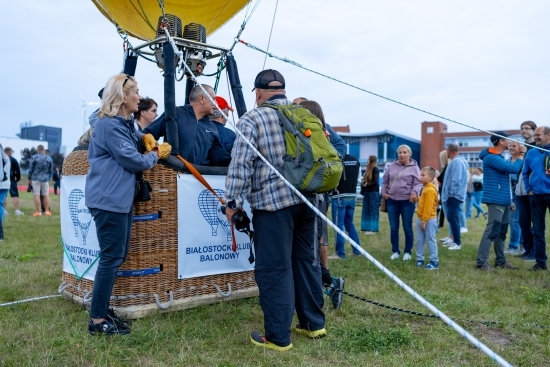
204 234
78 231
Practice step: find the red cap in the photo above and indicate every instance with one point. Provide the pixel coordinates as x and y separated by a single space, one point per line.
222 104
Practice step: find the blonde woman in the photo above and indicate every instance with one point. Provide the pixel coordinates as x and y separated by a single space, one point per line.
370 189
110 185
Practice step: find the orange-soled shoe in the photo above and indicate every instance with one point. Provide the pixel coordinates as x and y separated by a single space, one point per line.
37 214
48 214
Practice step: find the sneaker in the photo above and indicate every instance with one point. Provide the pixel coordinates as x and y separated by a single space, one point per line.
485 215
259 340
420 264
37 214
1 239
406 256
485 267
312 334
445 239
511 251
369 232
463 230
537 267
120 323
6 212
506 265
454 246
432 266
107 327
394 256
335 292
48 214
335 257
448 243
19 212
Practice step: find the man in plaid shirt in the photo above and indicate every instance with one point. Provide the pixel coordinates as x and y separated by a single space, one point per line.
283 224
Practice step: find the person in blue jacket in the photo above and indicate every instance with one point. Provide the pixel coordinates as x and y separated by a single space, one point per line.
199 142
496 194
114 160
536 177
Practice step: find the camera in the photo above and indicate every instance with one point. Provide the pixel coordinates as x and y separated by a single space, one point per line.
240 220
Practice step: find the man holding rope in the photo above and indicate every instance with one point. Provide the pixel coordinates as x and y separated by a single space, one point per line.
283 224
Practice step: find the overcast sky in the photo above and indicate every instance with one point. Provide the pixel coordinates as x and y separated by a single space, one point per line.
483 63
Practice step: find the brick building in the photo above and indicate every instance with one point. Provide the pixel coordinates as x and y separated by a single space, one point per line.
435 138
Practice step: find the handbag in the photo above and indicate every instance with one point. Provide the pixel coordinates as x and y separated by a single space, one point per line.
383 206
142 189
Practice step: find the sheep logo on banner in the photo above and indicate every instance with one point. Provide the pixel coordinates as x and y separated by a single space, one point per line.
80 214
210 208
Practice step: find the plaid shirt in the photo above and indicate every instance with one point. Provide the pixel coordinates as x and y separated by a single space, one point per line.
249 177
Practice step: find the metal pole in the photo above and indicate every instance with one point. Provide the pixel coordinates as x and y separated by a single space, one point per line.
170 98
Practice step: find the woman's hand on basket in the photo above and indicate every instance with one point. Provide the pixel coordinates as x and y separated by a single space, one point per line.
163 150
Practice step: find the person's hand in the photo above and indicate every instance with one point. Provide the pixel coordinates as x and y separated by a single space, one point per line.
522 148
229 213
149 142
386 196
414 198
163 150
531 192
423 226
513 207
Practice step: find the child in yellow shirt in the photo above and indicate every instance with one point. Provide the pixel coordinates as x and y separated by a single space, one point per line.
426 223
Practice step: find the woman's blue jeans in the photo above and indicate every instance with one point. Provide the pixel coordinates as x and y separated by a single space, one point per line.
405 210
515 230
3 193
113 235
344 208
477 203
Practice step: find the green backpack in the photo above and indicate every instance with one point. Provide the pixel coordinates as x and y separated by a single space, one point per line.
311 164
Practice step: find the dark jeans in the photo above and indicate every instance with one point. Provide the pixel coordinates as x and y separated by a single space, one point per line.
524 216
113 235
539 205
56 186
453 216
284 271
343 210
405 210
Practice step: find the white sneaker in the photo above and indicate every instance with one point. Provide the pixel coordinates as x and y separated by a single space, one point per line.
395 255
454 247
448 242
406 256
444 239
463 230
19 212
6 212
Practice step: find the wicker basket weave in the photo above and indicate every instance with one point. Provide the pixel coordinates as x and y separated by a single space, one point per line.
154 244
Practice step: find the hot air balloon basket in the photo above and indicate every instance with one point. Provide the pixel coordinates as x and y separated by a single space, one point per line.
155 286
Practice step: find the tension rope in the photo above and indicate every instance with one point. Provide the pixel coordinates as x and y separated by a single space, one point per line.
271 32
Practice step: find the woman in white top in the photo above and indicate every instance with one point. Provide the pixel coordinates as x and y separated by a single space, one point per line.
477 182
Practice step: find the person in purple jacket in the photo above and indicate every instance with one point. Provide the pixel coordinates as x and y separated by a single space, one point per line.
401 189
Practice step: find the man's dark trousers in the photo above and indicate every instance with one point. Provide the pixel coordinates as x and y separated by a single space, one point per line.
284 271
539 205
453 211
524 215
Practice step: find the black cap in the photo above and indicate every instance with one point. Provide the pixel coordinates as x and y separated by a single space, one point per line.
495 139
267 76
100 94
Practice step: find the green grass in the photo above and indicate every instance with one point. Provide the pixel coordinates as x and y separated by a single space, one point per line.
52 332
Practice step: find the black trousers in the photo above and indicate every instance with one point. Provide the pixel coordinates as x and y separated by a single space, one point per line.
285 273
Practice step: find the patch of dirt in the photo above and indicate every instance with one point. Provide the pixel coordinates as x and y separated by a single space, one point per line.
497 336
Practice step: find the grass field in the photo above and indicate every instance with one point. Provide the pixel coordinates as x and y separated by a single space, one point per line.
52 332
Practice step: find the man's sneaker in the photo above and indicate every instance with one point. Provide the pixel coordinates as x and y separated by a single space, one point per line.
448 243
37 214
506 265
48 214
19 212
420 264
454 246
538 267
511 251
485 267
463 230
335 292
259 340
485 215
6 212
445 239
528 257
1 239
335 257
395 255
432 266
120 323
312 334
406 256
107 327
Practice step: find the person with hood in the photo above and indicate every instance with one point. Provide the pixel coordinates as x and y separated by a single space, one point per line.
536 178
400 188
199 141
496 195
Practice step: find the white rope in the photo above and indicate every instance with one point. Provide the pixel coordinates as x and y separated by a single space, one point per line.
284 59
472 339
29 300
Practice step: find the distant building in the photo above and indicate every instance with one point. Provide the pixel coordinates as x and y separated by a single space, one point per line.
435 138
43 133
17 145
381 144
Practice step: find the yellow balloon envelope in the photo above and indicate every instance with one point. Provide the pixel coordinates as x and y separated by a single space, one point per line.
139 18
